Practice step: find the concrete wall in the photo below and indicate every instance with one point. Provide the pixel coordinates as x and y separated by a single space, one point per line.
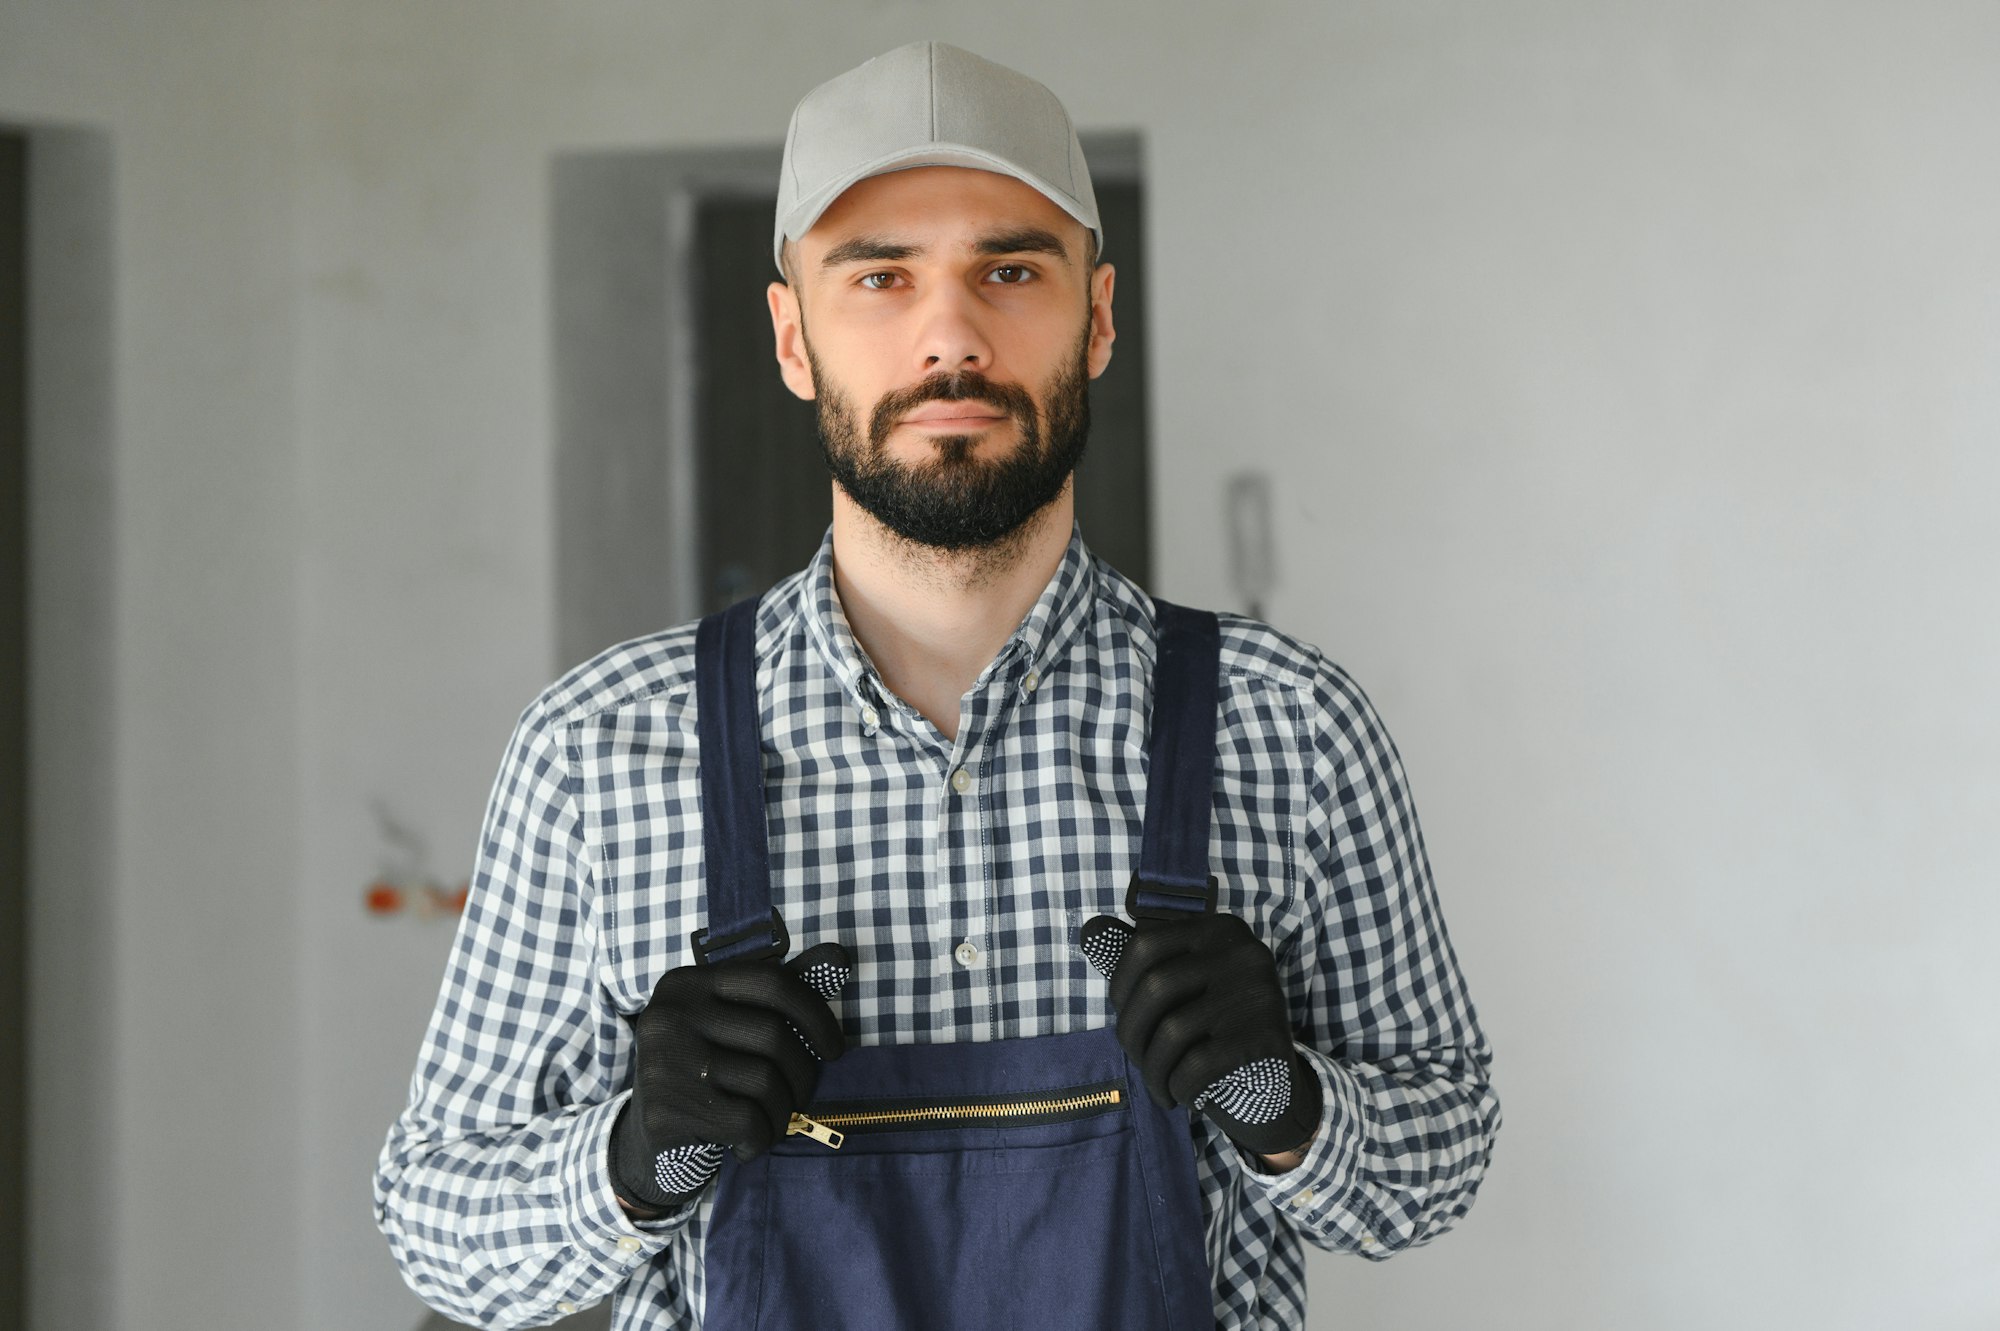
167 1166
1630 374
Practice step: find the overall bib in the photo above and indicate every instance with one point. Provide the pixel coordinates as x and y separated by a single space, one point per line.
993 1185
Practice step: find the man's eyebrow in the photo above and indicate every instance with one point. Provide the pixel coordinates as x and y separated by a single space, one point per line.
868 249
880 249
1023 240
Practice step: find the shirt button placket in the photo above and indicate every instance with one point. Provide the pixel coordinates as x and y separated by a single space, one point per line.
962 910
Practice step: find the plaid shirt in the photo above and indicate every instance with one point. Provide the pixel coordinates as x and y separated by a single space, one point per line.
958 873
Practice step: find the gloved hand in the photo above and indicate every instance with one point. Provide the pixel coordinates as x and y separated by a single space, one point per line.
1201 1011
726 1054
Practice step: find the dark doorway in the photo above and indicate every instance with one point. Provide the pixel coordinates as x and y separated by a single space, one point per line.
57 716
13 728
763 498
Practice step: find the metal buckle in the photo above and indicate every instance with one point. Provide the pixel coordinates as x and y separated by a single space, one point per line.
1198 900
781 942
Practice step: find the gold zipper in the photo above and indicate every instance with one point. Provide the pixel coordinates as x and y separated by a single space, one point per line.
821 1129
819 1132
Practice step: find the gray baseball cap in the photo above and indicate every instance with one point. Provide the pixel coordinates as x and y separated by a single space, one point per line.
928 104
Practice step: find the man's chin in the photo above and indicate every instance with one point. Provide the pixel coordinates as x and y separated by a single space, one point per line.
946 522
968 543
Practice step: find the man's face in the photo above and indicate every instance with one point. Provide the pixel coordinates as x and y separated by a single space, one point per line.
943 320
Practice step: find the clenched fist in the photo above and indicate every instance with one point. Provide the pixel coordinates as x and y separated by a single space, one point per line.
726 1054
1201 1011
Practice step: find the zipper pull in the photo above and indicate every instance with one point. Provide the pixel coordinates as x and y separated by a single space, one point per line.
801 1126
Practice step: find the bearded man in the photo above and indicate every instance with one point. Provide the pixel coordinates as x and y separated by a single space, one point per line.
795 985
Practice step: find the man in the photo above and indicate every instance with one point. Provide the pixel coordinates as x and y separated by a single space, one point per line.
942 759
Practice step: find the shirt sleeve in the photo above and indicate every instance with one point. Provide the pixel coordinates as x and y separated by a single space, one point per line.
493 1187
1382 1010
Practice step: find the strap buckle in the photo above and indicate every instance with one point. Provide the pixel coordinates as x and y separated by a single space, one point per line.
779 942
1146 900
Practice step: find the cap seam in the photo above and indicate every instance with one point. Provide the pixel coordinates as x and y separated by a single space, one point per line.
791 136
1074 147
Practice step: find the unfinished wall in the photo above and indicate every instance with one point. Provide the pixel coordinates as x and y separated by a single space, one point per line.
1629 376
167 1164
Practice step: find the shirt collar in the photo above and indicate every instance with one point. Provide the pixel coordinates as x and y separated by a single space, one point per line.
1040 639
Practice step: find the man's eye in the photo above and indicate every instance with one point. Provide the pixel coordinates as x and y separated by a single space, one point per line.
878 281
1011 274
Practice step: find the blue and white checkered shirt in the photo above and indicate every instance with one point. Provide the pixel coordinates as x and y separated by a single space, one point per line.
958 874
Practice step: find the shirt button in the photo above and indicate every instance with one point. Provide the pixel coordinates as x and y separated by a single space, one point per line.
961 781
628 1244
967 954
1029 681
870 717
565 1307
1304 1198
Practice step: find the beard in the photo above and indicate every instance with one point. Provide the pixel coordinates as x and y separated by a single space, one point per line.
957 500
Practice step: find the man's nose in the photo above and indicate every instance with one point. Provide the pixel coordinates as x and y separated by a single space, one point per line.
950 337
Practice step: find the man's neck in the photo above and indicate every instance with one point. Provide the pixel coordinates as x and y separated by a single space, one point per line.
932 620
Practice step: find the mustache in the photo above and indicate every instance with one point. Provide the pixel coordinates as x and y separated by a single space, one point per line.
953 386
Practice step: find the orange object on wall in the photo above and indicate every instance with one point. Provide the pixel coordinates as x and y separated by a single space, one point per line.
422 900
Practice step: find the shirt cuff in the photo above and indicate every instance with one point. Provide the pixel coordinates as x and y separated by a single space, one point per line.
597 1223
1331 1164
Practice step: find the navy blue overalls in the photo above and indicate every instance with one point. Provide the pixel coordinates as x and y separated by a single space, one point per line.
977 1186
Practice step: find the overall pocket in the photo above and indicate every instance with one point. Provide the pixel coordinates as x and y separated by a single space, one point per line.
829 1122
991 1214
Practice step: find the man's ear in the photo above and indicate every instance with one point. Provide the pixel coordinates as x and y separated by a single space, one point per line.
788 334
1102 334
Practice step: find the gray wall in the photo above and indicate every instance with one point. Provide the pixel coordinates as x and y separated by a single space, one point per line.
1628 373
166 1047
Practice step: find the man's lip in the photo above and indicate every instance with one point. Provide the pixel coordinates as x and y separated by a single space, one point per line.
952 414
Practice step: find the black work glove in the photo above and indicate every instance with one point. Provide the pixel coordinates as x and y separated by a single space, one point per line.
726 1054
1202 1013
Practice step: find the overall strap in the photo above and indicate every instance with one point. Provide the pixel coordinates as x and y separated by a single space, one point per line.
736 853
1173 876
